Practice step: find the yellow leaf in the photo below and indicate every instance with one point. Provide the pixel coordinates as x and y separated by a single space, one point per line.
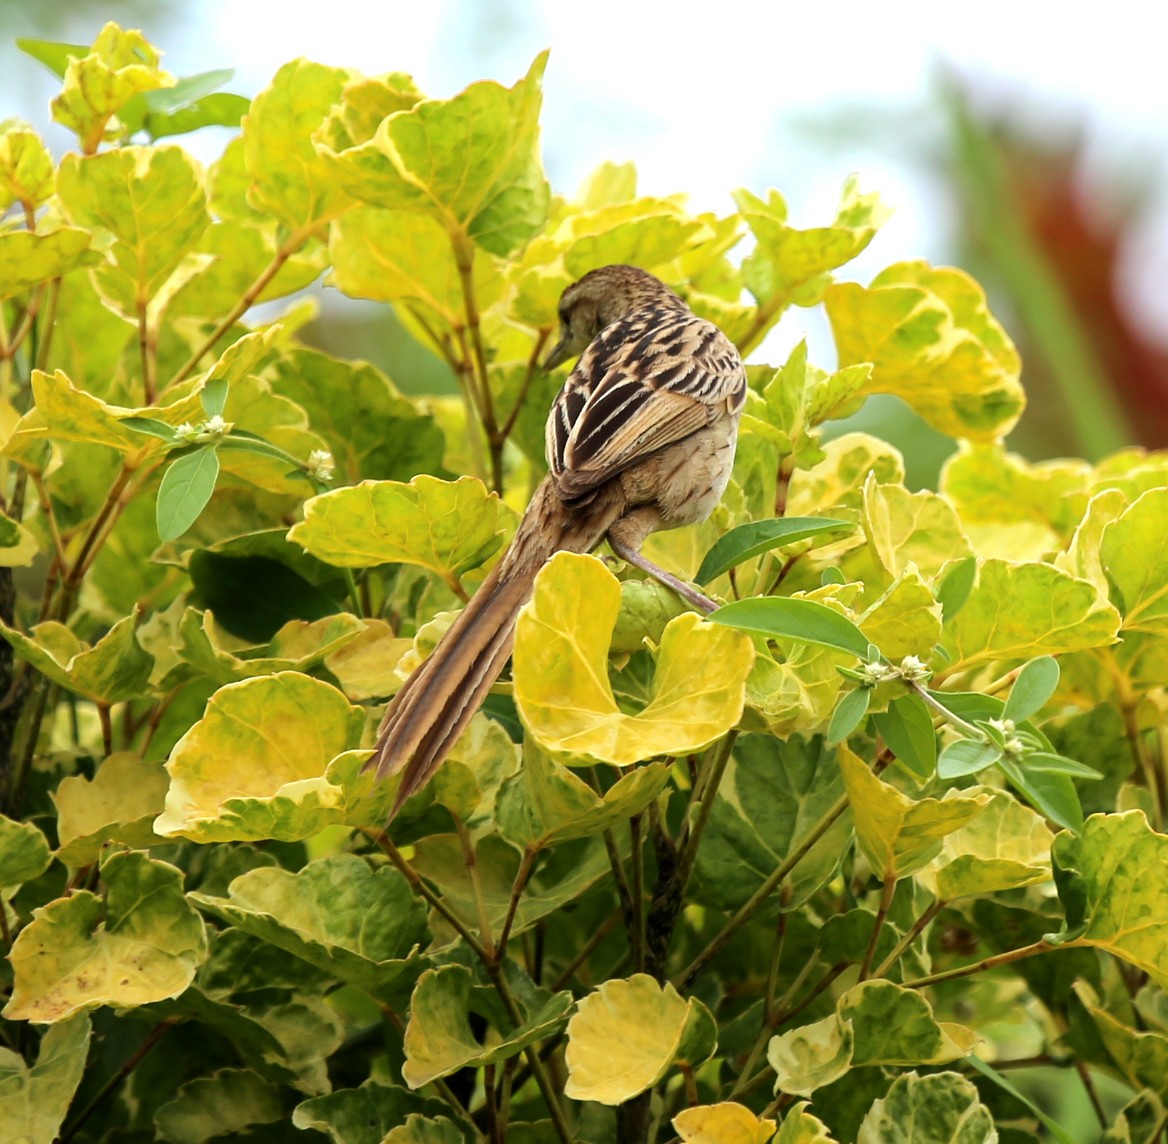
561 672
725 1123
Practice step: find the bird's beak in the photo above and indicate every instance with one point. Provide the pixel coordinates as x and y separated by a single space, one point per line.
559 354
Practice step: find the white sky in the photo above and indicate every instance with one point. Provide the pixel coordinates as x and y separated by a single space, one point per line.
725 93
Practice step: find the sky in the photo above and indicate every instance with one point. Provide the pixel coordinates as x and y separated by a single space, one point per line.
711 96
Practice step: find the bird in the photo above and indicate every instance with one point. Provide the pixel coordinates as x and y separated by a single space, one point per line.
640 438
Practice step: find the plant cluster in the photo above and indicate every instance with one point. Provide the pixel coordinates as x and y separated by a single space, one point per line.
823 866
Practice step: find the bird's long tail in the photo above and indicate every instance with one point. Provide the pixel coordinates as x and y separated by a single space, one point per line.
438 700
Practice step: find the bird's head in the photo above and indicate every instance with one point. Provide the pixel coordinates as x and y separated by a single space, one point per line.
599 299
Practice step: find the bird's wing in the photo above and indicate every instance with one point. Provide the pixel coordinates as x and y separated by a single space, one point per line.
647 381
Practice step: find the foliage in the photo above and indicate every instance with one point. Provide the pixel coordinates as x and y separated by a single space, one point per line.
803 871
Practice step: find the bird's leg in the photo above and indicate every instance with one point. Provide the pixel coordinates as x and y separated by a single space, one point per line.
632 555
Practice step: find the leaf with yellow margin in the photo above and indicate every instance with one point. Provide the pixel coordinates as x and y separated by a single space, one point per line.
27 260
1006 846
1017 611
471 162
360 924
24 853
800 1127
899 834
439 1039
946 1103
119 804
287 178
151 200
933 342
112 670
561 672
35 1098
26 167
254 766
1112 878
911 528
875 1023
449 527
141 941
1134 556
627 1034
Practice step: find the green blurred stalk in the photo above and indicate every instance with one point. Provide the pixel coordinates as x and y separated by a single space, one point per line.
1081 383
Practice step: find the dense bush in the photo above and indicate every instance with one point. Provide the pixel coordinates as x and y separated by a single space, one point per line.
819 865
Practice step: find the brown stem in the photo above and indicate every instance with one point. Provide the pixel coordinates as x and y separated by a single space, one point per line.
886 892
637 893
910 937
420 888
12 344
521 877
48 324
748 910
586 951
288 248
145 354
528 378
986 963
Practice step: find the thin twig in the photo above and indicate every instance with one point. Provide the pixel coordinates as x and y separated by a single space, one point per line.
748 910
517 887
152 1038
912 935
886 892
985 963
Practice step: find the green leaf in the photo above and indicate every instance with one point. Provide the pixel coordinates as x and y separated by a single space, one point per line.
627 1033
187 486
363 1115
966 757
1059 1134
222 1104
439 1039
748 540
544 802
955 586
898 834
1042 762
1052 793
152 427
561 676
907 730
449 527
784 617
113 670
849 714
1134 556
24 853
1004 847
254 765
372 430
1032 689
933 342
906 528
787 261
471 162
27 260
800 1127
875 1023
1102 875
945 1102
725 1123
139 942
34 1100
771 795
254 597
361 925
119 804
151 199
52 53
1022 610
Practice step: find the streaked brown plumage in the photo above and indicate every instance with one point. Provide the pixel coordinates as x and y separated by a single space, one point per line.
640 438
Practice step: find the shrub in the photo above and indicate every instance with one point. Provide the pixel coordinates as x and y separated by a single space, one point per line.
822 860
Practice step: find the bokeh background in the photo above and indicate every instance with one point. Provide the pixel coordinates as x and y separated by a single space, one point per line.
1025 141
